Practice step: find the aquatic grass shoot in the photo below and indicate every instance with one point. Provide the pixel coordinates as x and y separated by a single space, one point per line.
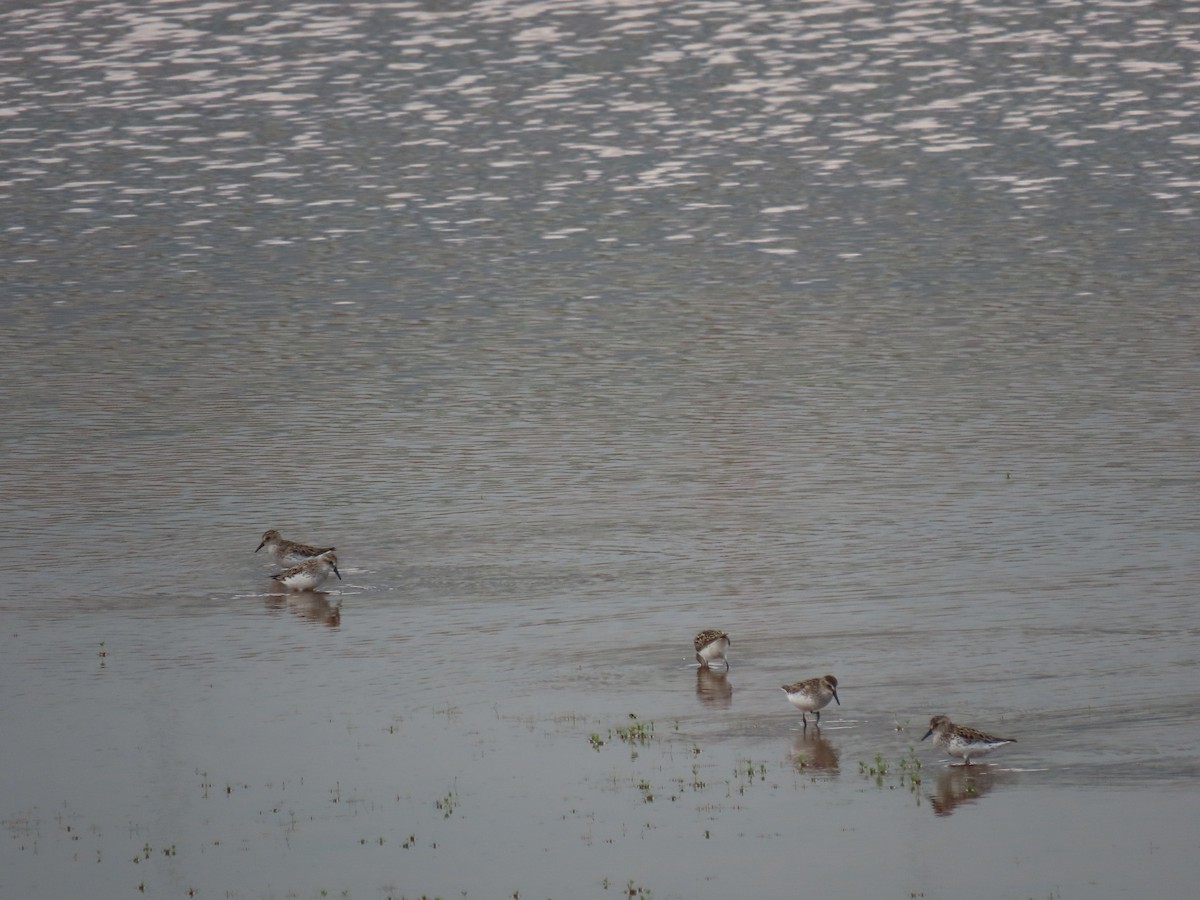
907 772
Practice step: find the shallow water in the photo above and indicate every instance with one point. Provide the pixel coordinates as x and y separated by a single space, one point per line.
864 332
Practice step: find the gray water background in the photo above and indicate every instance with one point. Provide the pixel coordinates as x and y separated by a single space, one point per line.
864 331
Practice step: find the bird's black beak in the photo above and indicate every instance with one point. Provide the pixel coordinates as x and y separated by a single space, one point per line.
337 573
260 546
928 733
835 697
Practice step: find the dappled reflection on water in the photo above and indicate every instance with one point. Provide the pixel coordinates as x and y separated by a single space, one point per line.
960 785
317 608
810 750
313 606
713 688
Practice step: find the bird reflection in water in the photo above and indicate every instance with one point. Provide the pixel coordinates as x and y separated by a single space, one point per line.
315 607
812 752
713 687
312 606
959 785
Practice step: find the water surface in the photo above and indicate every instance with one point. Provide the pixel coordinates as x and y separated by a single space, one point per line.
863 331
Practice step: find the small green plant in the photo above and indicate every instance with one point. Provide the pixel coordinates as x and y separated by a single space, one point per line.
448 803
647 792
744 775
751 770
877 771
907 771
910 770
639 733
636 734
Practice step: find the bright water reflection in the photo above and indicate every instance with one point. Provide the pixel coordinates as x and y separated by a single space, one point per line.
865 331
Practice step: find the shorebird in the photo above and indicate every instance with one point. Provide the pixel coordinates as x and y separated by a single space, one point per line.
711 645
961 741
288 553
812 695
310 574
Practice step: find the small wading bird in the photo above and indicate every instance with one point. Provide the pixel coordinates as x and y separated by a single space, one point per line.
310 574
812 695
288 553
961 741
711 645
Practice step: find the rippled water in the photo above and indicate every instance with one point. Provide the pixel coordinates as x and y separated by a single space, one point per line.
865 331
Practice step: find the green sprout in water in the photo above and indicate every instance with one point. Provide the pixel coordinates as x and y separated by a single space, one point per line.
647 793
907 771
447 804
639 733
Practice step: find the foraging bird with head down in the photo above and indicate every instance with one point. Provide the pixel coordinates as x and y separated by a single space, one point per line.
711 645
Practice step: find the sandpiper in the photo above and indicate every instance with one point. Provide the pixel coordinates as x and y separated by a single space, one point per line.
711 645
961 741
310 574
288 553
812 695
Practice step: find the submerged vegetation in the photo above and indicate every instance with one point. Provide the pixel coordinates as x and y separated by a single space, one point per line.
905 773
636 734
662 778
448 803
651 785
631 890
